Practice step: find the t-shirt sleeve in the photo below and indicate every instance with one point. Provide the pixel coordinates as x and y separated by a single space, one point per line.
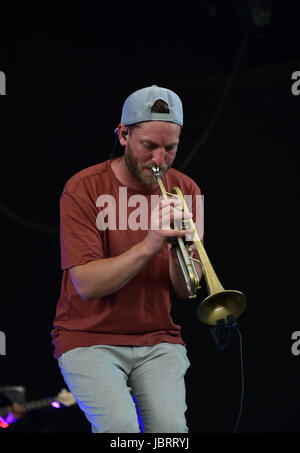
80 239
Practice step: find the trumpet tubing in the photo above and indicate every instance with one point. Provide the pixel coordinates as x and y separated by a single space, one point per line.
220 303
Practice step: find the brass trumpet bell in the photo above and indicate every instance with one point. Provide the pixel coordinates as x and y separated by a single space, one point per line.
220 305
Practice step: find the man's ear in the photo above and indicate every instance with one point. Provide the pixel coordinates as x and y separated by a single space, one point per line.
122 133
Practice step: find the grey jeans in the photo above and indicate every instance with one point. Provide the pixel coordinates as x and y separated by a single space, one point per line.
128 389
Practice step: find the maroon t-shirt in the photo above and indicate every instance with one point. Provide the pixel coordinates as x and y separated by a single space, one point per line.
138 314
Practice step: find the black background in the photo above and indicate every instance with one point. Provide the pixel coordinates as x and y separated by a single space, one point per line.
69 69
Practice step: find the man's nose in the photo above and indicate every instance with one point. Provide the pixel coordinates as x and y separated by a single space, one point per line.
158 157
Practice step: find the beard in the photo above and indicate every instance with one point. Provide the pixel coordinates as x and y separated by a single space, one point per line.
137 169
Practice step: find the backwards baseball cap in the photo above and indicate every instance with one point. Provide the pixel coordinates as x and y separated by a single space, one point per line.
137 107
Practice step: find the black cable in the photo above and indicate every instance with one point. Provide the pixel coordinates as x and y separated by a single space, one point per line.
115 152
222 333
27 223
242 381
220 105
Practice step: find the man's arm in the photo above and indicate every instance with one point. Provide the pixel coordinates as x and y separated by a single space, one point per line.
105 276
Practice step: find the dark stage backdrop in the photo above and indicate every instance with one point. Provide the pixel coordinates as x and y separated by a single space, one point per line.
68 72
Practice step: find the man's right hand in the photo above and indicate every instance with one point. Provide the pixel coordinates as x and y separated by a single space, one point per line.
163 217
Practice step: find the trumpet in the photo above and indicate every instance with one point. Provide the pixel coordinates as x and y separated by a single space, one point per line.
220 303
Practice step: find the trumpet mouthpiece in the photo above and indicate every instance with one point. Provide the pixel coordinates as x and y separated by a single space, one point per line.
155 170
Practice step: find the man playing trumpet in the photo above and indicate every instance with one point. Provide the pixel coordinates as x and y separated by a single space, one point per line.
114 337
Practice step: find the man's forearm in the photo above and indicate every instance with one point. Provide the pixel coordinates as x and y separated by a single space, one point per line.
105 276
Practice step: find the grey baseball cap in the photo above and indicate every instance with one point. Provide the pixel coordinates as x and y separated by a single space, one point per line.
137 107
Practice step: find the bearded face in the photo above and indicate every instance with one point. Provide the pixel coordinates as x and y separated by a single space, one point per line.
142 170
149 144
